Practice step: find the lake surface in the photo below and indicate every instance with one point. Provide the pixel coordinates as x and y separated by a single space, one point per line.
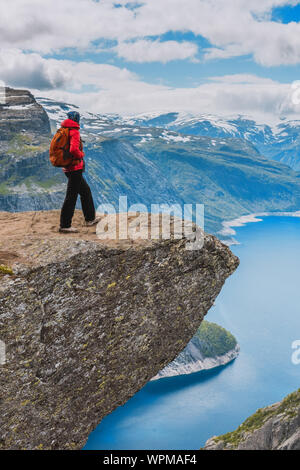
260 305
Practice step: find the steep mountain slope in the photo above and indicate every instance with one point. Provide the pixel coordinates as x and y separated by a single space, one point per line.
286 145
116 168
230 178
27 179
29 182
57 111
19 112
280 141
149 165
276 427
227 174
242 127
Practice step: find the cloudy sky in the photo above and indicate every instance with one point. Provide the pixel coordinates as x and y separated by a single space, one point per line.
204 56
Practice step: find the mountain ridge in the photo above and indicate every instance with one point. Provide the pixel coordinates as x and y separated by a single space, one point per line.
225 197
279 141
150 164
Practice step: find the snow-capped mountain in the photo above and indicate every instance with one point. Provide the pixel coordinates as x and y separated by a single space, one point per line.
184 159
57 112
139 130
280 142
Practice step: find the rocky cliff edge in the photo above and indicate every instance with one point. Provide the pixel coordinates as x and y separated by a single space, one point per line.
87 323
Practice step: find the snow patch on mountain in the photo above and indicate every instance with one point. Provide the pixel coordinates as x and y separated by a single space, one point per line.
279 140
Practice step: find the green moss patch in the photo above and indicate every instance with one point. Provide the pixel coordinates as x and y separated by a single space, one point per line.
5 270
22 144
4 190
215 340
289 407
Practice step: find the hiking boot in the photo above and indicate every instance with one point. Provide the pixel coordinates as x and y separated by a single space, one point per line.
92 222
68 230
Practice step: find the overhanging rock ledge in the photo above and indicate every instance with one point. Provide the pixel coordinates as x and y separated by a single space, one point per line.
87 324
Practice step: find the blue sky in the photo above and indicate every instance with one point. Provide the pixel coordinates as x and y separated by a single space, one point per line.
286 13
210 56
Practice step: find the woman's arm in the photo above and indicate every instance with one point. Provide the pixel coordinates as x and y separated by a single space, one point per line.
75 144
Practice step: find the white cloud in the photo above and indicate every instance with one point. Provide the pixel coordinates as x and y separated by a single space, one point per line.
47 26
232 27
32 70
116 90
151 51
113 89
270 43
243 78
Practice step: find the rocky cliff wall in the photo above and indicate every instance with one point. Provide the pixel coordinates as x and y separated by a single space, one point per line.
20 112
276 427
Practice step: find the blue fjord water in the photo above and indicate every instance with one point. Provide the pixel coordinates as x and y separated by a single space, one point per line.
260 305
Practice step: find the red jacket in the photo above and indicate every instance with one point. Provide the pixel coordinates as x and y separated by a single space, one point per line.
74 145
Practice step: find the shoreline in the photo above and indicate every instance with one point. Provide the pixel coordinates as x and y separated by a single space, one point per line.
207 363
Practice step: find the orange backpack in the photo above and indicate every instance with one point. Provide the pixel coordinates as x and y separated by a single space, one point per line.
60 148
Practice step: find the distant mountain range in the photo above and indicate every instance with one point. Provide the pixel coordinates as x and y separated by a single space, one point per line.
280 142
205 159
159 158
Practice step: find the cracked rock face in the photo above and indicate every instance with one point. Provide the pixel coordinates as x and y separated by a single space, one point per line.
87 324
27 178
20 112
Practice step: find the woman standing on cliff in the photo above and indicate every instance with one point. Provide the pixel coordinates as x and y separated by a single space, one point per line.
76 182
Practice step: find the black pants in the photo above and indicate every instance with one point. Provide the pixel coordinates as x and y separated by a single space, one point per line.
77 185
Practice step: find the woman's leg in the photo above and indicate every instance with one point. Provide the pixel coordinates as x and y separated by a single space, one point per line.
87 202
68 208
